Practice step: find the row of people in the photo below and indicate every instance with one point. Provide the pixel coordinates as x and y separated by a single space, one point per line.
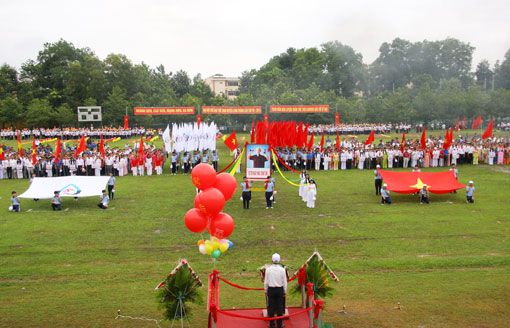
76 133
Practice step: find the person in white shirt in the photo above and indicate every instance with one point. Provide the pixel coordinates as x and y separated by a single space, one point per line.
148 164
311 196
97 166
318 161
275 286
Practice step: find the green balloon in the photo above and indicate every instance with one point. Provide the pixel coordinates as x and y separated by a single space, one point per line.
216 253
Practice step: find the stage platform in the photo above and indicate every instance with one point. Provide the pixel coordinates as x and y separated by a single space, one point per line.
225 321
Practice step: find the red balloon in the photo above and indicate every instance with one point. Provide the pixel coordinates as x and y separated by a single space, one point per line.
211 201
221 226
227 184
195 221
203 176
197 200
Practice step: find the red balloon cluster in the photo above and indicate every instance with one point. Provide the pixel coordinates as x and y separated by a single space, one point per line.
215 191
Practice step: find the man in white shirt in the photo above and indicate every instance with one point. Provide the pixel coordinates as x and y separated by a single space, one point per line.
275 286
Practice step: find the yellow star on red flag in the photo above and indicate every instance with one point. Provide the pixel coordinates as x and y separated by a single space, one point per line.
419 184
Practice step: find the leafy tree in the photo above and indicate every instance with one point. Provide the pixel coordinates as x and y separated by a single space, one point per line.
65 116
40 113
8 81
484 75
503 73
114 107
10 111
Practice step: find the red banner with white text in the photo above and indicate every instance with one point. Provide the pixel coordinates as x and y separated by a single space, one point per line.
299 109
231 110
164 110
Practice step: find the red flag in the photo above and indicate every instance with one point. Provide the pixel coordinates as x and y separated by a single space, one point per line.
141 148
81 147
423 139
126 122
58 150
299 136
252 136
410 182
20 149
231 141
305 135
451 136
473 124
446 143
34 153
101 147
322 140
293 134
2 155
464 122
310 142
370 139
266 120
402 144
337 118
199 119
337 141
488 131
457 128
478 122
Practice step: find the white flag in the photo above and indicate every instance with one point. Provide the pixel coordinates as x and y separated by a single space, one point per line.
166 139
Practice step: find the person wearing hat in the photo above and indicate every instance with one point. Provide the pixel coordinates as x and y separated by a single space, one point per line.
275 286
378 180
470 193
424 195
104 201
56 201
385 195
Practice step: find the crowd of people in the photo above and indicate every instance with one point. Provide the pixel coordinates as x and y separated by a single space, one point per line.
76 133
351 153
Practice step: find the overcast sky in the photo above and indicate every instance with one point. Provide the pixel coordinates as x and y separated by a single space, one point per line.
229 37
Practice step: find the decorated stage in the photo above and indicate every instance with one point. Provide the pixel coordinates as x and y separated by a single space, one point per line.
226 321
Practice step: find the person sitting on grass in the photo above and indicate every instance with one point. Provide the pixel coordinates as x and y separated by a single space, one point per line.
470 193
15 202
56 201
424 195
385 195
104 201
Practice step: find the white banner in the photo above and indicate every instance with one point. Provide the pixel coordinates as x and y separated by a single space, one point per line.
167 140
74 186
188 137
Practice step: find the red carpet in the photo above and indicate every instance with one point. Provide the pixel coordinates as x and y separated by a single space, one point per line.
225 321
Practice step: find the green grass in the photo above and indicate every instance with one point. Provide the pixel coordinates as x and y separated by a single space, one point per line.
448 263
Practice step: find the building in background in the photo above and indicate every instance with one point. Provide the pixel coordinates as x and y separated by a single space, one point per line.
221 85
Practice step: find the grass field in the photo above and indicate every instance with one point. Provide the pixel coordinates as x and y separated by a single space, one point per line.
448 263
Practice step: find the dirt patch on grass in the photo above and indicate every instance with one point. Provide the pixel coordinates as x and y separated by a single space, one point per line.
501 169
39 231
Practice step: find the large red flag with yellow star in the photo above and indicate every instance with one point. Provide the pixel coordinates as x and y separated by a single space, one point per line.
231 141
409 182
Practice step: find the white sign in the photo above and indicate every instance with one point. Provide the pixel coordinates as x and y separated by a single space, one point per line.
89 114
73 186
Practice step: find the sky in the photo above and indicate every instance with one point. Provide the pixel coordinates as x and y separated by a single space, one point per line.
229 37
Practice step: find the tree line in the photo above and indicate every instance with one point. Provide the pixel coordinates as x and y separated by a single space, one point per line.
409 81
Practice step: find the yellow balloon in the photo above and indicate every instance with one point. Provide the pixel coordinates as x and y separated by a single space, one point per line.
208 249
224 247
215 244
